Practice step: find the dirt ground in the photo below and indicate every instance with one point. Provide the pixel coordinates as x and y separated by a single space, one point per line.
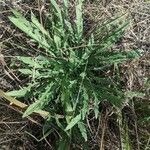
15 132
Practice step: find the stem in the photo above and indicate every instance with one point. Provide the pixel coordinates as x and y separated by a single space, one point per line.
80 88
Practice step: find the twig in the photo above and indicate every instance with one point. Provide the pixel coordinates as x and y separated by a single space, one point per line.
136 128
103 131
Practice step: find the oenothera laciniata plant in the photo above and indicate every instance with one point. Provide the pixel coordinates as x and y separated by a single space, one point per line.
71 78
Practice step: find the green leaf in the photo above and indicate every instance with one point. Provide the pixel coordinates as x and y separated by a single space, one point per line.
65 8
79 19
24 25
65 2
29 72
26 71
38 25
69 27
134 53
82 129
65 99
29 61
18 93
85 103
83 75
63 144
57 10
32 108
19 17
44 99
73 122
131 94
30 29
57 41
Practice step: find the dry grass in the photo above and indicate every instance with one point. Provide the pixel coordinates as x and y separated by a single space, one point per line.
105 131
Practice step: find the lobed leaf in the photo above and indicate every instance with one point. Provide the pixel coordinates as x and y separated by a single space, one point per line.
18 93
82 129
73 122
79 18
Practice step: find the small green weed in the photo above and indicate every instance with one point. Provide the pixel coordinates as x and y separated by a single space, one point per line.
70 77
